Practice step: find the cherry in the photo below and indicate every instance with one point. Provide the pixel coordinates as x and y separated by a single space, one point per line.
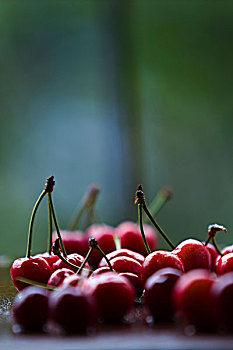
36 269
74 242
130 237
72 311
214 256
158 293
58 276
50 258
104 234
123 252
225 264
193 254
71 281
126 264
30 310
158 260
135 281
192 298
75 259
227 249
113 293
222 294
100 270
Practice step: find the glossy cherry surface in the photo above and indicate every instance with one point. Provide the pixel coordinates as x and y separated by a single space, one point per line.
74 242
123 252
58 276
225 264
35 269
158 260
194 254
73 258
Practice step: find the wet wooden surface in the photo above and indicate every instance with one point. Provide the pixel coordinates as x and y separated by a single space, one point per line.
134 336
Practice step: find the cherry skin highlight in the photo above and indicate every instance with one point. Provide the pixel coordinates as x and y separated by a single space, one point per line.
193 254
225 264
126 264
158 260
35 269
74 258
58 276
135 281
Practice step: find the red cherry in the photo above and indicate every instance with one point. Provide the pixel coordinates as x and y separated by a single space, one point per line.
158 260
222 294
104 234
113 293
100 270
227 249
74 242
123 252
58 276
130 237
126 264
35 269
71 281
192 298
30 309
72 311
194 254
135 281
158 293
225 264
50 258
74 258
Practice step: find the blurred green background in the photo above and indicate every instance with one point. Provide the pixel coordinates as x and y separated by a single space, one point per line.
117 93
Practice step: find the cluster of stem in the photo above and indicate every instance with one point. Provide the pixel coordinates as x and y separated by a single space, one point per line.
212 231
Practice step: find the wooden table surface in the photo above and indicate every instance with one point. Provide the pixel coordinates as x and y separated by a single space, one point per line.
134 336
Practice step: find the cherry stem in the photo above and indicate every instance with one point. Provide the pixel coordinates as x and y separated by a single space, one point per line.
141 228
56 224
36 284
31 224
212 231
94 243
88 203
85 260
50 240
164 195
216 246
140 199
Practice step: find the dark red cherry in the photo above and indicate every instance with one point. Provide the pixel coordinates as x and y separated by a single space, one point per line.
50 258
126 264
113 293
100 270
71 311
158 293
135 281
192 298
194 254
71 281
75 259
74 242
214 256
130 237
35 269
30 310
158 260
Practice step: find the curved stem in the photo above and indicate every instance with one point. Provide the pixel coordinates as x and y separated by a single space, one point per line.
85 261
164 195
105 257
56 224
50 240
141 228
207 241
31 224
69 263
216 246
163 234
36 284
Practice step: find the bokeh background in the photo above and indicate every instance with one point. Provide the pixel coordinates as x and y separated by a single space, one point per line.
117 93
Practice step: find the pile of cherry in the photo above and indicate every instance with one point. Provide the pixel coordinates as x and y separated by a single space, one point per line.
84 279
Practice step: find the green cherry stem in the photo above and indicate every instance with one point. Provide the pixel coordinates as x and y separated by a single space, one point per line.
56 224
164 195
36 284
50 239
216 246
88 203
94 243
140 199
85 260
141 228
31 224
